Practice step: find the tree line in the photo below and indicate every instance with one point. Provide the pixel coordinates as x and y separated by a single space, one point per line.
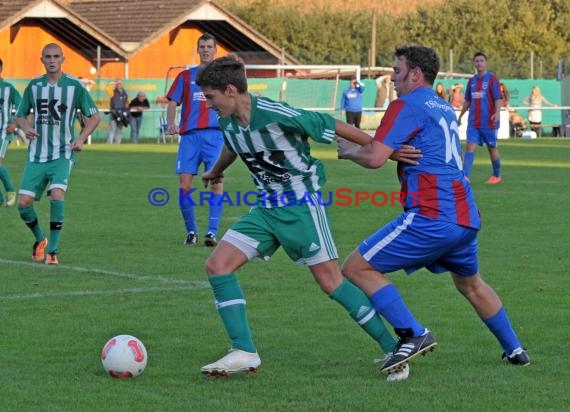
506 30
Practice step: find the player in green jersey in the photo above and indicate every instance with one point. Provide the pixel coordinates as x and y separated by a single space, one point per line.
54 99
9 99
272 139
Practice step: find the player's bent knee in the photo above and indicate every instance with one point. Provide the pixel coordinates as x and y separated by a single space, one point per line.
217 265
25 201
468 285
214 267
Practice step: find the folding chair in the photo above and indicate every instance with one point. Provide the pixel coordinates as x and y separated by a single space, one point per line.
162 129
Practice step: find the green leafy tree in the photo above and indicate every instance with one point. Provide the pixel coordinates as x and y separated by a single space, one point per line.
506 30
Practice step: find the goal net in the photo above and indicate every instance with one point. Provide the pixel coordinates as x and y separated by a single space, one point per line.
310 87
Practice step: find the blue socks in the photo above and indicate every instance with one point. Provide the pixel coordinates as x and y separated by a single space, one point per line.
187 210
496 167
389 303
468 159
500 326
216 210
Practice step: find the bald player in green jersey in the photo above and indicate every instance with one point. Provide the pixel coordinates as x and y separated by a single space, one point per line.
54 99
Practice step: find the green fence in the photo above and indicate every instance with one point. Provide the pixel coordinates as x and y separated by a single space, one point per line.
322 95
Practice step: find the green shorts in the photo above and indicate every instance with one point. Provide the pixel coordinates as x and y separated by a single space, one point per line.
303 231
37 176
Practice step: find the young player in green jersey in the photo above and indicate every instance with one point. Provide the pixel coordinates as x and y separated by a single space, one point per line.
54 98
9 99
272 139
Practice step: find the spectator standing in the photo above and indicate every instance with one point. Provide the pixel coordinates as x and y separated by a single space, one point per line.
484 101
9 100
53 146
385 92
506 96
456 97
352 102
119 112
440 91
535 101
137 106
201 141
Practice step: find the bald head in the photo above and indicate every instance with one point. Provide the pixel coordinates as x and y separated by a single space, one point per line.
52 58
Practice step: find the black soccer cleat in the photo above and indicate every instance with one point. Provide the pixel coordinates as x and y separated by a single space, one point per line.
408 347
191 238
518 357
210 240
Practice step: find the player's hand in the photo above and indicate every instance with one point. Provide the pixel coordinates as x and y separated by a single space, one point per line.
407 154
77 145
209 178
31 133
345 147
173 129
11 128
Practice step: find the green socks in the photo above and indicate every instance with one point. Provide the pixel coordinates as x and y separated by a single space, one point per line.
55 224
357 304
230 303
30 218
5 178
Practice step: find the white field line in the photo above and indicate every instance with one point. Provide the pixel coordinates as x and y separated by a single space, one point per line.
180 284
95 270
101 292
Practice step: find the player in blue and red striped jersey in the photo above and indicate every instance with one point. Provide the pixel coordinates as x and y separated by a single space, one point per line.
439 226
484 100
201 141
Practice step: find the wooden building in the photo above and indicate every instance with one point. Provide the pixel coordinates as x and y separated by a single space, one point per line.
140 39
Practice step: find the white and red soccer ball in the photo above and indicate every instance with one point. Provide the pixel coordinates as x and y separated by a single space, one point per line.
124 356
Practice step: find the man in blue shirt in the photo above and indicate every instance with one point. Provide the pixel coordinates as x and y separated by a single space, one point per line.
352 102
201 141
438 228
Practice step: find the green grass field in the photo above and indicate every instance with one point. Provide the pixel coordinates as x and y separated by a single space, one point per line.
124 270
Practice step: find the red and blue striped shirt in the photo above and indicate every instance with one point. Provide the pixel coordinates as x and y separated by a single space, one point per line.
482 92
195 114
436 188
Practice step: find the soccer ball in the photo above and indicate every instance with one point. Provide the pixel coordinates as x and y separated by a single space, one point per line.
124 356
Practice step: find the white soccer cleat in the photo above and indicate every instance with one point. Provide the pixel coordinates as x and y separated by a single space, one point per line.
235 361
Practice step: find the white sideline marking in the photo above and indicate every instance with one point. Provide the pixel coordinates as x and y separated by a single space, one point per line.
98 271
37 295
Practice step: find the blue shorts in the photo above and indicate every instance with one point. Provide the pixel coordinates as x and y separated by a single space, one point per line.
197 147
482 136
411 242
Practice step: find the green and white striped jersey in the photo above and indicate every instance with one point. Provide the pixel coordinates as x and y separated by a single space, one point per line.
9 99
275 148
55 108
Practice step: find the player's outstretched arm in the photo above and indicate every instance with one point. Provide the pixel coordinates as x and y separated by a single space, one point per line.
351 133
372 156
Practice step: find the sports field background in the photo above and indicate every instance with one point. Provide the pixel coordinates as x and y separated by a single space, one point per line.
124 270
